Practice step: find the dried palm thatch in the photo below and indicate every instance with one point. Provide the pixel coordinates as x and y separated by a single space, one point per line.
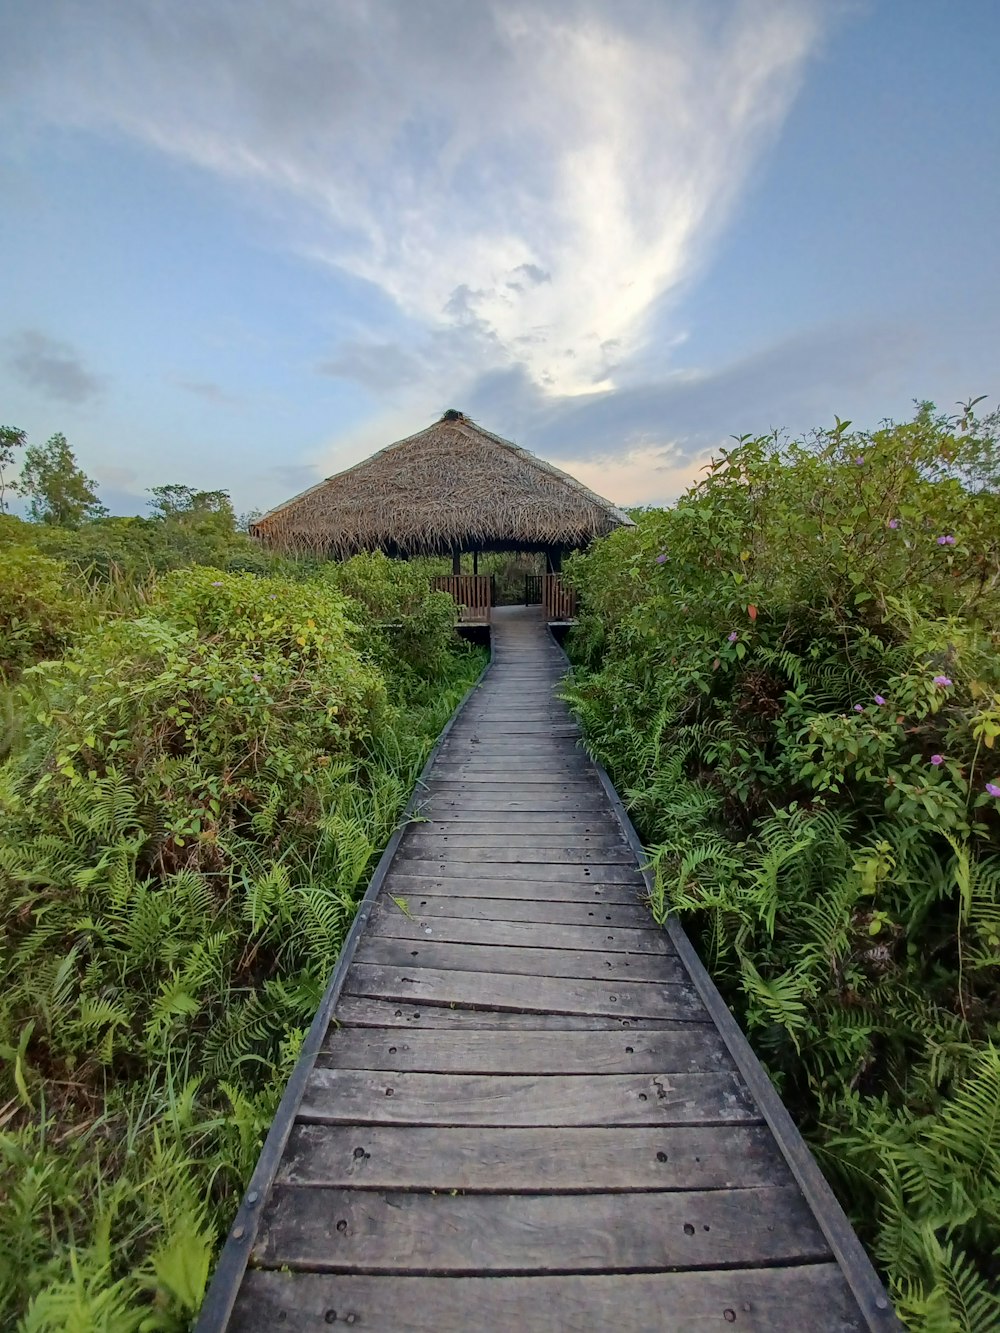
452 487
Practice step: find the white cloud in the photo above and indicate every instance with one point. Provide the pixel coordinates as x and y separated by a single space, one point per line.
526 179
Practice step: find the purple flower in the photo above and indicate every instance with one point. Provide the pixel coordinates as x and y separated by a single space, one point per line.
894 523
858 708
255 677
879 700
937 760
946 541
217 583
993 789
943 681
859 461
661 559
733 637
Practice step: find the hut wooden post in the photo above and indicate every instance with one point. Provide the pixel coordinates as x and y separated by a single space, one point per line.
456 560
475 562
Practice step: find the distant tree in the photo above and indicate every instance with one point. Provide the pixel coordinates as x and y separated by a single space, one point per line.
11 438
179 502
58 490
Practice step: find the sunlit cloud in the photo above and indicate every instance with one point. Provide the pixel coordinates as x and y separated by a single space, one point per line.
527 183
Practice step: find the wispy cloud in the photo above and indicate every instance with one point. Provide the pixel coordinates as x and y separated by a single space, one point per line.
527 181
50 366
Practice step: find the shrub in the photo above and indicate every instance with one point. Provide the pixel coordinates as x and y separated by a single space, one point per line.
184 832
37 613
794 674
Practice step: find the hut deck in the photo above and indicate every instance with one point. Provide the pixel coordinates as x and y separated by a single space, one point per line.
531 1107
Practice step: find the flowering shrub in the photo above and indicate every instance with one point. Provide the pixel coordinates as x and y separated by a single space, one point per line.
803 701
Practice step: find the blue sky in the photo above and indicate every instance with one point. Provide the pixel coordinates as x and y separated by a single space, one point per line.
245 244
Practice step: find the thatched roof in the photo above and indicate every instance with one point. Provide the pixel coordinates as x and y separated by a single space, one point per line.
454 485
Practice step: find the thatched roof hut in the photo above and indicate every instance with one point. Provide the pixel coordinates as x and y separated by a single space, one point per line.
453 487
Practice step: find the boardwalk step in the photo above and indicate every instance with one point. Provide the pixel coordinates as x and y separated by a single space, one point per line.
535 1160
813 1296
685 1050
533 962
389 920
333 1229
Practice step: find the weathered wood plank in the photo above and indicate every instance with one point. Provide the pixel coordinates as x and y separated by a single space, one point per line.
389 920
462 776
555 995
503 1160
462 886
589 876
632 915
436 799
331 1229
632 968
689 1050
483 843
811 1297
434 846
542 825
363 1011
388 1097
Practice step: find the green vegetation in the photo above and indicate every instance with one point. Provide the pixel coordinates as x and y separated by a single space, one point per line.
201 766
794 674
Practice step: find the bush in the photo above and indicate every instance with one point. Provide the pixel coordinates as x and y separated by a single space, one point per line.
37 613
185 829
794 674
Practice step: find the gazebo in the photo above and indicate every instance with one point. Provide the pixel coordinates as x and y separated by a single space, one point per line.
453 488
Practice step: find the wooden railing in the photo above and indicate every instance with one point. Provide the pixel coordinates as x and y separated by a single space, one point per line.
558 601
472 593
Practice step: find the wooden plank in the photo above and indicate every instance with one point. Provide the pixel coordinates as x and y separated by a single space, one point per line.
408 886
542 826
478 853
504 1160
435 798
489 842
390 1097
633 915
555 995
483 775
332 1229
362 1011
689 1050
586 876
632 968
564 821
389 920
811 1297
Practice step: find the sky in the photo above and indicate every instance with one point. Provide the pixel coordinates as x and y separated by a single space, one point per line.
245 244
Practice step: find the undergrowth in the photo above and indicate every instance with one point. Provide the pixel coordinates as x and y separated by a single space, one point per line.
794 674
193 798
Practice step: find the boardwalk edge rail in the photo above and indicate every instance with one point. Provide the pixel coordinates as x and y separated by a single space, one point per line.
852 1257
217 1307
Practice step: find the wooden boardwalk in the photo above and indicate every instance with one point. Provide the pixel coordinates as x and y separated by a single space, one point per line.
530 1108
